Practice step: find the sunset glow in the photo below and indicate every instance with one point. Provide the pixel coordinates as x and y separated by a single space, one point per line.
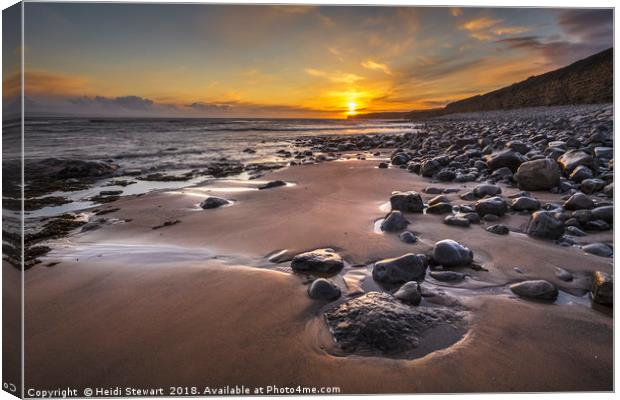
302 61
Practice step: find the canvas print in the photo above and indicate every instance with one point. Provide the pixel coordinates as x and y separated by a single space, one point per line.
215 199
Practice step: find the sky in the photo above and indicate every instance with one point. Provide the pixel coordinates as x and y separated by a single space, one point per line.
198 60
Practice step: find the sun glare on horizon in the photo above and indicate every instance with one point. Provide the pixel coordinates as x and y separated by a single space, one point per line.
352 108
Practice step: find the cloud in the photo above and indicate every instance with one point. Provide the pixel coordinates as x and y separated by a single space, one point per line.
337 77
200 106
485 28
135 103
372 65
588 25
456 11
43 82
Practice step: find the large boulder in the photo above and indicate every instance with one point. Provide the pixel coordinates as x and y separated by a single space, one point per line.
394 222
598 249
450 253
320 260
574 158
407 202
581 173
544 225
602 288
492 205
538 289
377 323
323 289
542 174
606 213
409 267
507 158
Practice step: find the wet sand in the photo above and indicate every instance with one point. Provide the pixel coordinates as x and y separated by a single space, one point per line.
209 307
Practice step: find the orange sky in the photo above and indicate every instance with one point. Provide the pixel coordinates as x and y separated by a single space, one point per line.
288 61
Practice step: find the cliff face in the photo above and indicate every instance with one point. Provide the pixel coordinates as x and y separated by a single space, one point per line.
586 81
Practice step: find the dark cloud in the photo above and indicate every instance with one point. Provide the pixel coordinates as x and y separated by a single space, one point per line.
589 32
206 107
134 103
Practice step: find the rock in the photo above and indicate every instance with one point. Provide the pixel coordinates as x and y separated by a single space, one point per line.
591 185
606 213
438 199
506 158
598 249
525 204
433 190
394 222
400 159
213 202
445 175
66 169
609 190
579 201
408 237
430 168
492 205
383 165
544 225
409 267
468 196
602 288
409 293
379 323
574 158
581 173
407 202
604 152
323 289
563 275
487 190
538 289
447 276
320 260
450 253
439 208
574 231
542 174
498 229
453 220
271 184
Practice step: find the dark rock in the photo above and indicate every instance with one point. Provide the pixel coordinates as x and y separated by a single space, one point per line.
579 201
598 249
538 289
439 208
506 158
591 185
430 168
525 204
604 152
602 288
447 276
518 146
544 225
409 267
487 190
323 289
498 229
454 220
400 159
407 202
574 158
492 205
581 173
379 323
383 165
606 213
574 231
542 174
445 175
321 260
394 222
438 199
450 253
409 293
408 237
271 184
213 202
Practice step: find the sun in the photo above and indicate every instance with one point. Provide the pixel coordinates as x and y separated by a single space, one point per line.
352 108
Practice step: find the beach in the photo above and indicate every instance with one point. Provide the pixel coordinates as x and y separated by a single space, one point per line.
152 290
